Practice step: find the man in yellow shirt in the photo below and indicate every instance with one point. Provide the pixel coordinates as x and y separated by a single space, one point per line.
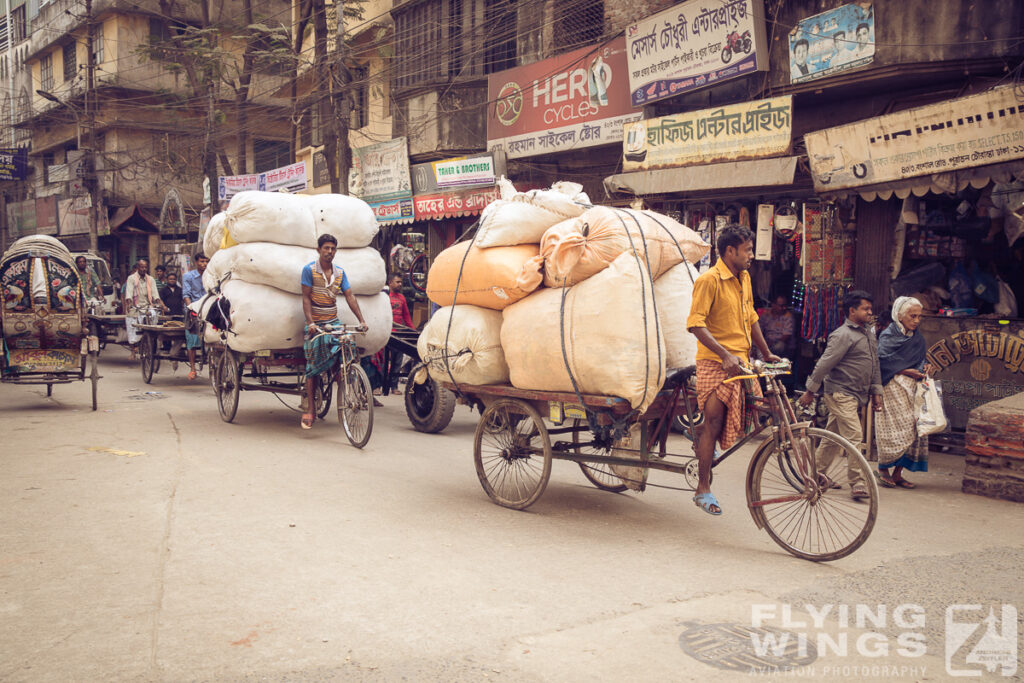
724 321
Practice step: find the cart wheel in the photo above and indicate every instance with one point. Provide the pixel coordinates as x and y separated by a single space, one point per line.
94 375
512 453
322 394
598 475
810 521
355 404
213 361
49 390
146 361
228 385
429 406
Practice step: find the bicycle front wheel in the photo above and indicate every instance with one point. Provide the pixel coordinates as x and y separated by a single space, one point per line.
810 510
355 404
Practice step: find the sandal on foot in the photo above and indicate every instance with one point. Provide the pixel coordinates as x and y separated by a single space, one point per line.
903 483
705 501
377 404
827 483
885 480
191 374
859 491
307 421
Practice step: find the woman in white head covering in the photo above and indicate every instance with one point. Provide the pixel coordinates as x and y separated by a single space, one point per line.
901 357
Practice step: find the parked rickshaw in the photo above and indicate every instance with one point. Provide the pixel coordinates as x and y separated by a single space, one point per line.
45 334
164 340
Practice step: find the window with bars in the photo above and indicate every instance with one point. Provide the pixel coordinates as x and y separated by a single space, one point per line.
501 20
270 154
97 44
46 73
18 25
360 96
309 128
70 61
578 24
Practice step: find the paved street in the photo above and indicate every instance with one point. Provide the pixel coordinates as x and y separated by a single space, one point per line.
151 541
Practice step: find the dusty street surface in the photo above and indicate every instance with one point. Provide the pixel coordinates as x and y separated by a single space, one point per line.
151 541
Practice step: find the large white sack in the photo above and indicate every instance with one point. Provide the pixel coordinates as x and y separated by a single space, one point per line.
349 219
522 217
472 327
214 234
263 317
611 337
280 266
278 217
673 292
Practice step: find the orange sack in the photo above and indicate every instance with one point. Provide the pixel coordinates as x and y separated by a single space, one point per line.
493 278
578 248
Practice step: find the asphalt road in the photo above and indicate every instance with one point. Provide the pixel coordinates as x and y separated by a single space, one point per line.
151 541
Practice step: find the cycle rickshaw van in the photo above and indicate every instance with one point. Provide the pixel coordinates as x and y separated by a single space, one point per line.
45 334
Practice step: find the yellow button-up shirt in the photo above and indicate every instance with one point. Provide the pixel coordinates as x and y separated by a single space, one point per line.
724 304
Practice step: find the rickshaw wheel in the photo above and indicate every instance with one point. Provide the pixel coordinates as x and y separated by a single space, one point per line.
355 404
228 385
146 353
512 453
599 476
822 522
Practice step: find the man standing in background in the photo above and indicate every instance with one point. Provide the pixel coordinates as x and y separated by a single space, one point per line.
193 290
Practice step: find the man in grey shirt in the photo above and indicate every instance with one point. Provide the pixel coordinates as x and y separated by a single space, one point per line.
850 372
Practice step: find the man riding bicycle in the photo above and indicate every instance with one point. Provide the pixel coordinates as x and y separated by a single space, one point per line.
321 282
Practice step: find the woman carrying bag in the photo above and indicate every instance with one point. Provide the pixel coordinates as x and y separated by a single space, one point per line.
901 357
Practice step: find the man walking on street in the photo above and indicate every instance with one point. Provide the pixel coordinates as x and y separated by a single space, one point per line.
140 295
90 280
400 316
724 321
192 289
850 372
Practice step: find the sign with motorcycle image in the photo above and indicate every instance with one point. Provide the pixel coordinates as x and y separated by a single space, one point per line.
693 45
976 130
747 130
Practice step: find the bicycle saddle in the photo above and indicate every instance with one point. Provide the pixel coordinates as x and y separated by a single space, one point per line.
675 377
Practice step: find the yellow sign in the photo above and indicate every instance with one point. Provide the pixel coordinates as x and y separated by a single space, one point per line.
749 130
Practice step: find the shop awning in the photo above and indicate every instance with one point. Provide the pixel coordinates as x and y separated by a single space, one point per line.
133 219
754 173
937 183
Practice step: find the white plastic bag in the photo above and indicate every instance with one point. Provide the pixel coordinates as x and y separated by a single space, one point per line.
522 217
349 219
931 417
254 216
214 235
673 292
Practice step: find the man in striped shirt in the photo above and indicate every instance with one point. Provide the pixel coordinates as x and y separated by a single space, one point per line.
322 281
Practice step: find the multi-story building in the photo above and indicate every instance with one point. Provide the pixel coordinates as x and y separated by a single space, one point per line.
158 105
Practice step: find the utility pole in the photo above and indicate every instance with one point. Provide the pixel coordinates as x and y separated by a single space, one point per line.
90 178
341 100
328 132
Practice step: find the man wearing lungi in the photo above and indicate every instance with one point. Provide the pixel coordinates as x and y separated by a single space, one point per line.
140 295
321 282
724 321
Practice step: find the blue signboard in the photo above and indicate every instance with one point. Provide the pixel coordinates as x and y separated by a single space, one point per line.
832 42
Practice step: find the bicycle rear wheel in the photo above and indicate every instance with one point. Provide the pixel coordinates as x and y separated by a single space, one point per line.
809 516
355 404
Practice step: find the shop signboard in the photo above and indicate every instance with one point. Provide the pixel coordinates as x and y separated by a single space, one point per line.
321 175
460 203
466 172
831 42
571 101
13 163
694 45
749 130
977 130
393 211
73 216
977 360
46 215
21 218
380 172
291 178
